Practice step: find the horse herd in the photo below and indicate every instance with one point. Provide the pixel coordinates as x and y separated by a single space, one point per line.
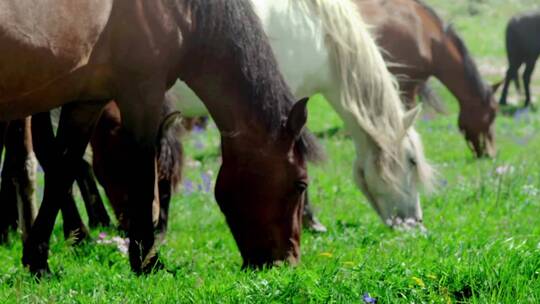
122 69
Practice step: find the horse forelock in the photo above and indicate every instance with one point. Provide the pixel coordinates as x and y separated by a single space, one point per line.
369 93
237 27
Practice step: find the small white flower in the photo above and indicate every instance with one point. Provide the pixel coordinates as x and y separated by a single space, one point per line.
505 169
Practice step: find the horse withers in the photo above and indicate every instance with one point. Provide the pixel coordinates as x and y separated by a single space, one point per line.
522 47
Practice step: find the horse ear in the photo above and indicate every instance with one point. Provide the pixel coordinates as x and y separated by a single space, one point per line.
297 118
496 86
411 116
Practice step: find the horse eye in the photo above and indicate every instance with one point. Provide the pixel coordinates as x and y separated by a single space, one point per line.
412 161
300 186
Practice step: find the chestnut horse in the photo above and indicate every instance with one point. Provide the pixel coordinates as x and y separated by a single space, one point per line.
324 46
418 44
132 51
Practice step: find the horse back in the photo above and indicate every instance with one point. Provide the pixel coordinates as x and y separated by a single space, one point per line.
523 31
41 41
409 33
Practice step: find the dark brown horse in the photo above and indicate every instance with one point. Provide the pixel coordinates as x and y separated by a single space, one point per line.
109 149
522 47
132 51
418 44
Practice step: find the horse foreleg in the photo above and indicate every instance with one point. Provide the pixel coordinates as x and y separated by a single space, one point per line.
309 219
529 69
49 153
76 124
97 214
410 92
141 108
511 74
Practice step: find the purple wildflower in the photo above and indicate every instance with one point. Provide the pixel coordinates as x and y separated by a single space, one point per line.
207 181
368 299
521 115
102 235
188 186
199 145
197 129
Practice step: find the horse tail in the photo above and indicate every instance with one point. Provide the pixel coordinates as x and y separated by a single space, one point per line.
170 149
430 97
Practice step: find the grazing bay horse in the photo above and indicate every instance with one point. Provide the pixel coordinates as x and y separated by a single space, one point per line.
324 46
417 44
522 47
132 51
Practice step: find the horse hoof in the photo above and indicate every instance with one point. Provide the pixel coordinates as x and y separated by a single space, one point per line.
150 265
408 225
35 260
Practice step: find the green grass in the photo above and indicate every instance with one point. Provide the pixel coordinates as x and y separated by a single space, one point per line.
483 244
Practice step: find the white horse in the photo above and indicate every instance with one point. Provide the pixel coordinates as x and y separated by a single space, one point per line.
323 46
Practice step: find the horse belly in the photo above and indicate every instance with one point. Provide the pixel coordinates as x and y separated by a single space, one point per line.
44 44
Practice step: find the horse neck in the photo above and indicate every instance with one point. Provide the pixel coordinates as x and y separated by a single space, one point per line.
449 68
225 91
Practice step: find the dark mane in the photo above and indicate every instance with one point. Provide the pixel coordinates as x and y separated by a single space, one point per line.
238 31
471 70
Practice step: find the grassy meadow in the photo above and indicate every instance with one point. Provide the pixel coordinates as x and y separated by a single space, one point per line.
482 244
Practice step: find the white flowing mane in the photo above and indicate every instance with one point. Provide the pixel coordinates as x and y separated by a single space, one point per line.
368 91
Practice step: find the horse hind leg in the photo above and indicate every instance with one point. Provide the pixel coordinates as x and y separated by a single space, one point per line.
25 182
529 69
97 214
